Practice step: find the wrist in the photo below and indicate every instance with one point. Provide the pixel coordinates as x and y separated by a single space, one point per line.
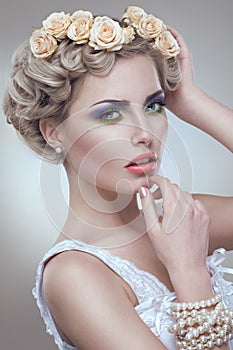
185 102
191 285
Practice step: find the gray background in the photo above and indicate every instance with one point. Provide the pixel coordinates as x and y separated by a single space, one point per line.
33 206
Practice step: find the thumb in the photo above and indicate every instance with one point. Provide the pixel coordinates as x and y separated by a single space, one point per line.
149 210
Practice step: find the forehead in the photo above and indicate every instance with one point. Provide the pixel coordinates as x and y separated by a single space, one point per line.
131 79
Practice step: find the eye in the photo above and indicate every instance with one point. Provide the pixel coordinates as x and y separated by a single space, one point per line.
110 116
154 107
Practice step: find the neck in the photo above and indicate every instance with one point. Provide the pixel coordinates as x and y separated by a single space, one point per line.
98 216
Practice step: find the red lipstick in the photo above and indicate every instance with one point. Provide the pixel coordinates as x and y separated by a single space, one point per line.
142 164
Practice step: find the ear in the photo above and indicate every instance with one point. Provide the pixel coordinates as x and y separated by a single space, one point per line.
49 130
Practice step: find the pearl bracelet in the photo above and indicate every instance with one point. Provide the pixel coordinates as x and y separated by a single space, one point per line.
197 304
202 325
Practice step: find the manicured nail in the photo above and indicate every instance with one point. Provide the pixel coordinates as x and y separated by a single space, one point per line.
159 206
139 202
142 192
154 188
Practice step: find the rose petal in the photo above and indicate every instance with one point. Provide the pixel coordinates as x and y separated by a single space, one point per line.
42 44
106 34
167 44
57 24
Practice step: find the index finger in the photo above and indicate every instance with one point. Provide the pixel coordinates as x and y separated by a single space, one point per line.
162 183
149 209
179 39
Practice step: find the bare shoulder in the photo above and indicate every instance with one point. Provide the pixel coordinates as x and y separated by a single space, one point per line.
76 269
74 283
90 306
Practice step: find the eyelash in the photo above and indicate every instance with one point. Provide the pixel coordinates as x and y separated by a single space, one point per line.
108 116
159 104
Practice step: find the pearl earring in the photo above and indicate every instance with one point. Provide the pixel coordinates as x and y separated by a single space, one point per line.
58 149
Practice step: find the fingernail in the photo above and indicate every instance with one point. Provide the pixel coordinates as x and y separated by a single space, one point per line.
139 202
159 206
142 192
154 188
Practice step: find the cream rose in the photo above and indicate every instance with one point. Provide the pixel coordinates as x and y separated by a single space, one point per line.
128 33
106 34
132 15
43 45
81 14
79 30
57 24
150 27
167 44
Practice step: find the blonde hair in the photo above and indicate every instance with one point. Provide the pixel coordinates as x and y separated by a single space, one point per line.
44 89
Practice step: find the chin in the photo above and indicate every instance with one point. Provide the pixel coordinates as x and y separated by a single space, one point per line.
130 187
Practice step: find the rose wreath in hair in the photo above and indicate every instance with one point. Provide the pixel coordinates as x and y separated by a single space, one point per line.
102 33
48 69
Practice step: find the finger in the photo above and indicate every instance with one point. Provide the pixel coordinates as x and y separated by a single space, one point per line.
186 200
149 209
167 190
154 188
158 200
159 194
175 201
176 204
177 36
167 194
160 181
205 217
200 206
156 193
180 40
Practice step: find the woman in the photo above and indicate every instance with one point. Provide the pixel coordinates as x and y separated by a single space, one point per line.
91 93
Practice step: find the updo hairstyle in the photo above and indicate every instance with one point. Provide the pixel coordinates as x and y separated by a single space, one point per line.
41 88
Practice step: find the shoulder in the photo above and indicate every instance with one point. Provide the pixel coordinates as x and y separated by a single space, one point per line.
77 287
77 269
84 276
90 306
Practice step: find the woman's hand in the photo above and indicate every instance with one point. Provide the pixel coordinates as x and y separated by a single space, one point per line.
177 101
180 239
189 103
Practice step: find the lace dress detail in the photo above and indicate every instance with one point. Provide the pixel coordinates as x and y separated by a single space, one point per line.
154 299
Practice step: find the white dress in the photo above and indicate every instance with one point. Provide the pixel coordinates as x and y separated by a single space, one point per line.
154 299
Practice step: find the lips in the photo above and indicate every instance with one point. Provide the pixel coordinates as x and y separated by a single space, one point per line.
142 164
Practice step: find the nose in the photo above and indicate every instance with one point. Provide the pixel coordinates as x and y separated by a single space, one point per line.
141 133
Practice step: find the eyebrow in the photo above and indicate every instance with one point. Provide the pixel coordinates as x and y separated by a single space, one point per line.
110 101
160 93
148 99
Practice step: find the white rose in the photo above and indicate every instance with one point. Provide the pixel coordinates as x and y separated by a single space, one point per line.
43 45
132 15
79 30
128 33
150 27
106 34
81 14
167 44
57 24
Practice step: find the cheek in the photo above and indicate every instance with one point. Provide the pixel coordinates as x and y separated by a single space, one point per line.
83 154
93 150
158 127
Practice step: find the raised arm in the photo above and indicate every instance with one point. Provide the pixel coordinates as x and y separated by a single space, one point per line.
194 106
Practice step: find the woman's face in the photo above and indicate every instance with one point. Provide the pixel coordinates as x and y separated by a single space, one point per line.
116 127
